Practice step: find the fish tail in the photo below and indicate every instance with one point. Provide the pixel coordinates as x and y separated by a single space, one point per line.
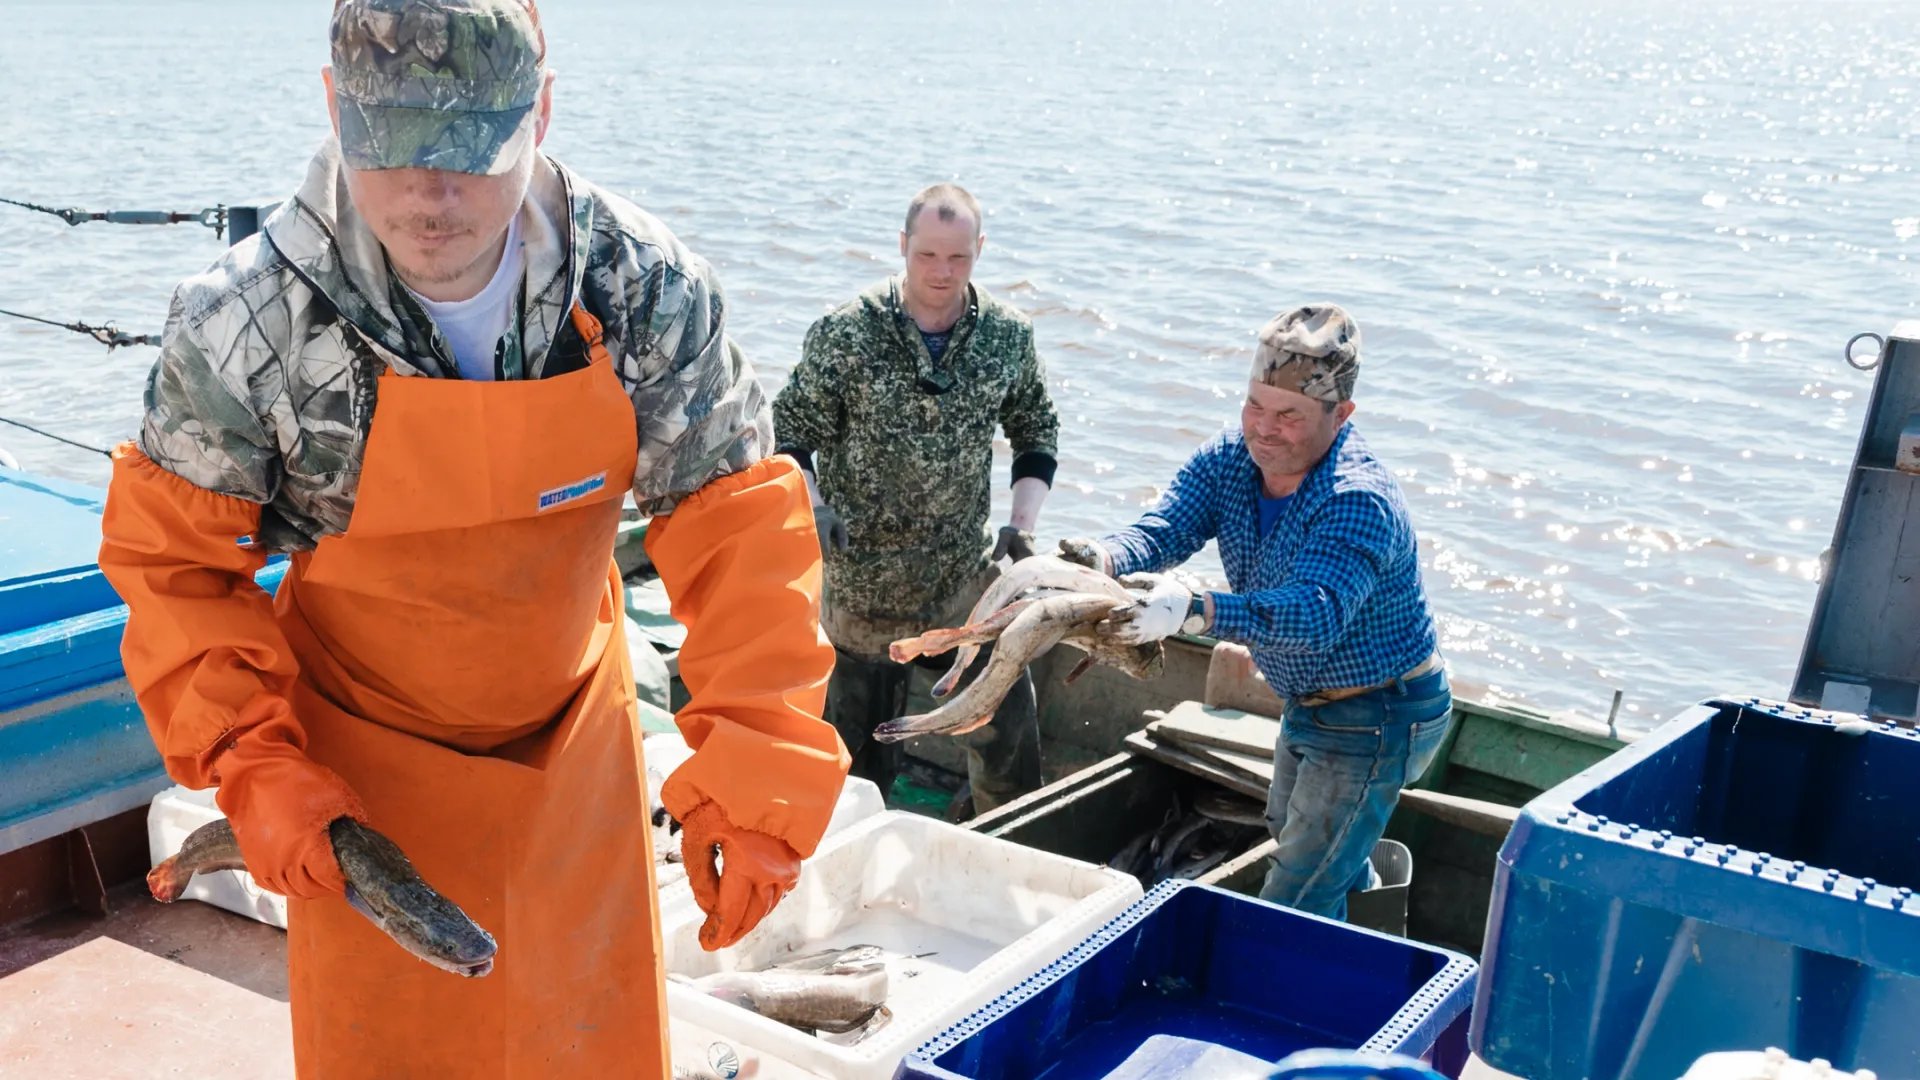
164 881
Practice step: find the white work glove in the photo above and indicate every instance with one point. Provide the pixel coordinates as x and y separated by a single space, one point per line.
1154 617
1088 553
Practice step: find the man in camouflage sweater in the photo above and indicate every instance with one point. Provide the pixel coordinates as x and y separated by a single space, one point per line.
429 381
897 395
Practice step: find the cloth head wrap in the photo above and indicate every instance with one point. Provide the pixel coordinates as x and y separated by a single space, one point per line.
1312 350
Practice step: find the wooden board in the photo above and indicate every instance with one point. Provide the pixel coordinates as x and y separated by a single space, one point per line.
1139 743
1477 815
1257 769
1193 724
1536 759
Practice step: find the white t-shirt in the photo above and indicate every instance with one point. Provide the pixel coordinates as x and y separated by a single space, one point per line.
473 327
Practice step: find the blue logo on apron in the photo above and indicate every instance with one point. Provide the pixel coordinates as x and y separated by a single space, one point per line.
580 489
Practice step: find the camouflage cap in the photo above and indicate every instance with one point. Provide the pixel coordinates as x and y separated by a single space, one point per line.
437 84
1313 350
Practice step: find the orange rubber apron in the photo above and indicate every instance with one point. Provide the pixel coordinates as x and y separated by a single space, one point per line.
463 666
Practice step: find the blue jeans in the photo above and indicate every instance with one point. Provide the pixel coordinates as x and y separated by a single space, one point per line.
1337 774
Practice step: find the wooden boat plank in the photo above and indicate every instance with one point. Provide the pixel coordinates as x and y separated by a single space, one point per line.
1478 815
1139 743
1192 723
1535 759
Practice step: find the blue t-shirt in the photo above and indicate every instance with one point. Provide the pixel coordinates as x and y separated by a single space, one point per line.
937 341
1270 511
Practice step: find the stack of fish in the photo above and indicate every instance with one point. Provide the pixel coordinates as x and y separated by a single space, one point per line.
1196 835
1038 603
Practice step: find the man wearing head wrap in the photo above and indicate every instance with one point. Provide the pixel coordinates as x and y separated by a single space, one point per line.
1325 592
429 382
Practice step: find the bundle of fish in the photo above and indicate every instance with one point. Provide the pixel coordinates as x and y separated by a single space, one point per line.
1188 843
835 992
1038 603
381 884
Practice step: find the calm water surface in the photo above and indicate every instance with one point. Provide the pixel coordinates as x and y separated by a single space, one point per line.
1605 255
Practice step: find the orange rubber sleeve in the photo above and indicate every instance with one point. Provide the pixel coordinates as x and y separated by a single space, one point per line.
741 564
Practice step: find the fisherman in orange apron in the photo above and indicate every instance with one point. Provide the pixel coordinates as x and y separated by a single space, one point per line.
429 382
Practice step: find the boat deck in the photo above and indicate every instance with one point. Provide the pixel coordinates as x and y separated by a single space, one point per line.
150 990
157 990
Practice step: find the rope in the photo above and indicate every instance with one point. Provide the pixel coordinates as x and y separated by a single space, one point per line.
56 438
107 335
213 217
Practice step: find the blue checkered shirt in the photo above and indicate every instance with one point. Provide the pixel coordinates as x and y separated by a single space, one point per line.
1331 598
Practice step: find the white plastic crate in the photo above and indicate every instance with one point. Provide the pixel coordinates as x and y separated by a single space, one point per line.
962 918
178 811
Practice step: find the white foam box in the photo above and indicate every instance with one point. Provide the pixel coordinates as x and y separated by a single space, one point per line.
1770 1064
961 917
178 811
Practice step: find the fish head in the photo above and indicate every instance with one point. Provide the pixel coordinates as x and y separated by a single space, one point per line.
383 886
435 937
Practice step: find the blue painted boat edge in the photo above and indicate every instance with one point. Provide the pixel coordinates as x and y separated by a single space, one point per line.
85 496
49 822
86 752
40 662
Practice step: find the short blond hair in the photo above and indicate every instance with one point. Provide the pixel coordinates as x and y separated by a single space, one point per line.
947 201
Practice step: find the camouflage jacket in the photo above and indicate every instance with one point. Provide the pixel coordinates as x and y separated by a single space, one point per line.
907 469
266 382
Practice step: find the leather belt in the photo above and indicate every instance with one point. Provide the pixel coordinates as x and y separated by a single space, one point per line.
1318 698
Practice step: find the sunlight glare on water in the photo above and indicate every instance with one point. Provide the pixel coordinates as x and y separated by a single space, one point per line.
1605 255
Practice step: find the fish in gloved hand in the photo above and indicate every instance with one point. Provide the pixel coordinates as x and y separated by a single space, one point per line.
1039 575
1037 604
381 884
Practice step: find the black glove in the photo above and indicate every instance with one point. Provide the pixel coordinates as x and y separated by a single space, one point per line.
1013 542
833 531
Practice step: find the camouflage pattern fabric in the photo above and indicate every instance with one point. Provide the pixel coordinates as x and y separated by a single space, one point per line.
909 470
436 84
1313 350
267 381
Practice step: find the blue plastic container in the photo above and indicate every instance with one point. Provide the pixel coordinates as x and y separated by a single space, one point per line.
1206 964
73 746
49 542
1741 877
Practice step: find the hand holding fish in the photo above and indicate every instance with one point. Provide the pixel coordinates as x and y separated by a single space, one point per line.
381 884
1014 542
1088 553
1066 603
1155 617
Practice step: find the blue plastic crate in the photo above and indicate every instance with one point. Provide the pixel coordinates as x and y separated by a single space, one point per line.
1203 963
1740 877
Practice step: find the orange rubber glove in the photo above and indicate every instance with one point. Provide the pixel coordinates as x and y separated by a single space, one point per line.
760 869
212 671
280 803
